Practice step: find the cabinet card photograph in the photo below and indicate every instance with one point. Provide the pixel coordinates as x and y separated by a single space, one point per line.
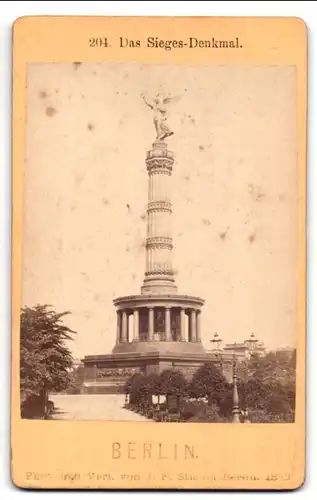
159 254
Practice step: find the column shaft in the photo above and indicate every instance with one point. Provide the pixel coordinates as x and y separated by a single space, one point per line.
198 326
124 331
118 339
168 335
182 324
192 325
151 324
135 325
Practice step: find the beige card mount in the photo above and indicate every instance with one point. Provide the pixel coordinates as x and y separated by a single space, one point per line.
159 170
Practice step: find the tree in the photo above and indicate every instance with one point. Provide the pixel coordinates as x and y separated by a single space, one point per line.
139 389
276 373
274 366
208 381
268 390
131 382
174 385
155 385
77 377
45 359
131 387
252 393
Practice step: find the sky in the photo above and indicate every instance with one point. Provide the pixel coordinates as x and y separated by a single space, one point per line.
233 189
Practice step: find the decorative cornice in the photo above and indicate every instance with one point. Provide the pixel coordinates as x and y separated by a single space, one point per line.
160 246
159 153
187 301
159 206
159 171
159 164
103 373
159 242
159 239
156 272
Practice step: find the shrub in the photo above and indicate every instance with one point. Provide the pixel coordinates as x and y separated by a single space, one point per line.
208 382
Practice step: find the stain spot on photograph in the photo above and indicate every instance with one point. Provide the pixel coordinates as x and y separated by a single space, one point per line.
223 234
260 197
252 237
191 119
50 111
59 244
256 192
79 178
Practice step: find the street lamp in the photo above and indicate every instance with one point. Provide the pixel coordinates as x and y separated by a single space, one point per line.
216 343
252 344
235 394
216 348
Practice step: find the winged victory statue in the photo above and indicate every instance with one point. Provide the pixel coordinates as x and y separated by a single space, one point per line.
159 107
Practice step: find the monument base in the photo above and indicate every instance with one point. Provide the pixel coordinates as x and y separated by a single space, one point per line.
178 348
108 373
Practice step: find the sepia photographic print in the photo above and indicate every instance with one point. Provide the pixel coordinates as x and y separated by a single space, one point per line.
159 255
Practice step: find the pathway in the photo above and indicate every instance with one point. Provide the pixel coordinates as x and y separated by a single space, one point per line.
93 407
